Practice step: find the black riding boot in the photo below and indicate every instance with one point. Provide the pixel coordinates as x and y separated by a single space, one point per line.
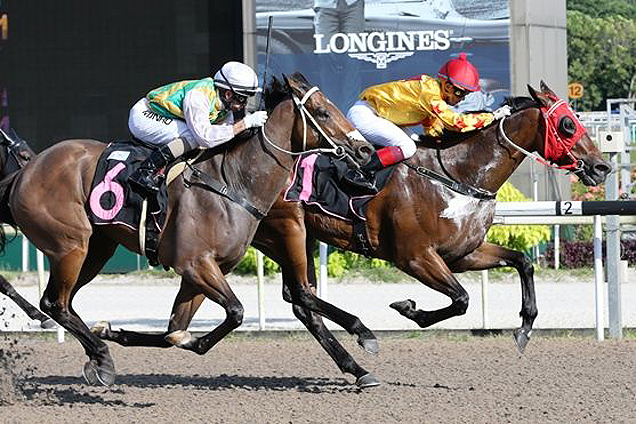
363 179
145 178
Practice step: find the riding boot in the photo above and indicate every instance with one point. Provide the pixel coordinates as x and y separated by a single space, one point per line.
146 178
364 178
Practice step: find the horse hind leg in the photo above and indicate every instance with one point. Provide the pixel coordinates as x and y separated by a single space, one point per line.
431 270
56 302
34 313
489 256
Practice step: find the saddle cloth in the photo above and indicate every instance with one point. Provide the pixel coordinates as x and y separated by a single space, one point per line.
318 180
112 201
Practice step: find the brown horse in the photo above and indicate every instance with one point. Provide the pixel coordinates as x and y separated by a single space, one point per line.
14 155
205 235
428 229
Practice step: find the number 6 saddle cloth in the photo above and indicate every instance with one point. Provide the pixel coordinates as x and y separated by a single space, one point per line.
112 201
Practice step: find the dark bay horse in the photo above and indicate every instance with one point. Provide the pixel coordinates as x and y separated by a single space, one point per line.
205 235
428 230
15 153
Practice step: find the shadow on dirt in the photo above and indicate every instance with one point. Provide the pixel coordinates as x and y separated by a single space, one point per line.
221 382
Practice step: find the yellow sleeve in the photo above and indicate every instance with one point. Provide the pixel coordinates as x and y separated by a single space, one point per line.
460 122
443 116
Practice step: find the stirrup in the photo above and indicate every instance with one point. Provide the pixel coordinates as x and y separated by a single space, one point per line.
146 183
358 180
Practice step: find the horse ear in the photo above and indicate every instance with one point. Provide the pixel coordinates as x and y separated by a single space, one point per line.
532 92
295 86
545 89
537 96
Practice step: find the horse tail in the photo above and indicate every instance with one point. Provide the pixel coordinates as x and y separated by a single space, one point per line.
5 212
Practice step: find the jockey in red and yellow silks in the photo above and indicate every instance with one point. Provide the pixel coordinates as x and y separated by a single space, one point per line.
422 100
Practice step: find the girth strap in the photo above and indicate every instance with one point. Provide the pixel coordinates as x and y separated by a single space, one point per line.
456 186
212 184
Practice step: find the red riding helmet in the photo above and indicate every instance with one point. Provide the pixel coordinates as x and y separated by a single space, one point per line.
461 73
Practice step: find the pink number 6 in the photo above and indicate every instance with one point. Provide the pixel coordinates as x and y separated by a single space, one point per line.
108 185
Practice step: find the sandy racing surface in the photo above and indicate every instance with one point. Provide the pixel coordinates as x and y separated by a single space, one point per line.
290 379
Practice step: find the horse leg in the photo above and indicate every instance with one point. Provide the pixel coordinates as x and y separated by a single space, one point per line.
34 313
489 256
185 306
429 268
204 274
329 343
56 302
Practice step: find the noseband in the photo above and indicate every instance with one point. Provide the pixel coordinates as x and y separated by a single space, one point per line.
336 150
562 131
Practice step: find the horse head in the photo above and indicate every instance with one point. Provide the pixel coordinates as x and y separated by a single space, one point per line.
566 142
319 123
15 153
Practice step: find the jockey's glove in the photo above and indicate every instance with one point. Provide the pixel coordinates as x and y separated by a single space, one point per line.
256 119
502 112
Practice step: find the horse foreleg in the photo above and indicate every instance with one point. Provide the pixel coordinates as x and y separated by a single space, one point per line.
329 343
185 306
431 270
489 256
204 274
34 313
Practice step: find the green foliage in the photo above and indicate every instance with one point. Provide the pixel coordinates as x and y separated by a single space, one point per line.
341 261
248 264
517 237
601 50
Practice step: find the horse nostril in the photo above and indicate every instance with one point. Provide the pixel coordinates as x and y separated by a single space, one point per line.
602 168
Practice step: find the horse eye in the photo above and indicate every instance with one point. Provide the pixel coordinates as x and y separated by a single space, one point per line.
567 126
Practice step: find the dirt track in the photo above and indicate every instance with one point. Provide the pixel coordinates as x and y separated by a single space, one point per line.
289 379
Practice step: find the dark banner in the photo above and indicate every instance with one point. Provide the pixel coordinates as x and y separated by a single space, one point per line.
344 46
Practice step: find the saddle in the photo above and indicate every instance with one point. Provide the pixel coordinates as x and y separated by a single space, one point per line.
318 180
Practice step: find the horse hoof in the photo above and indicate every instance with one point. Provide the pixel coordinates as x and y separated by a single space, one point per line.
521 339
369 345
47 324
101 329
99 376
367 380
180 338
403 306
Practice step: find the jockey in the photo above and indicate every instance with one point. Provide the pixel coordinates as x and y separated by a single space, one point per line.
384 109
185 115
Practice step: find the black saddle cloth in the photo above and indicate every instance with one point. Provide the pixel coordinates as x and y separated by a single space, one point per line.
112 201
318 180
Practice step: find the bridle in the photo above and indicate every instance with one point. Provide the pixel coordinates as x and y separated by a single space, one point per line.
337 151
13 148
552 132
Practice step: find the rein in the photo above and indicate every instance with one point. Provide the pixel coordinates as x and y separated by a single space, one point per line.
451 183
337 151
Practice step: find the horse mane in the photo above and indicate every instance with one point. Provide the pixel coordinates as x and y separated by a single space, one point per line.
450 138
278 90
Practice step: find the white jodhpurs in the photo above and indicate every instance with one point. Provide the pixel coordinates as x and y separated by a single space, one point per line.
150 127
379 131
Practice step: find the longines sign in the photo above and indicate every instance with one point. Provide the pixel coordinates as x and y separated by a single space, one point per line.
382 48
